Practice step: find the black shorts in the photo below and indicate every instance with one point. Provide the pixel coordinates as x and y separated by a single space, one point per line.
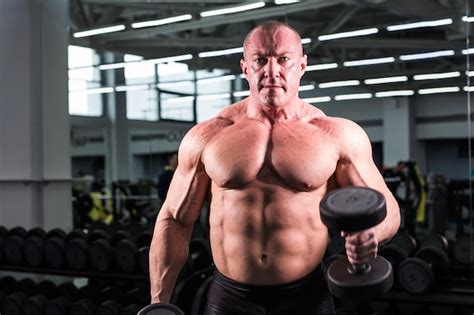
309 295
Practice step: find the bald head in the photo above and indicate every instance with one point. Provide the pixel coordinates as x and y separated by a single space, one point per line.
267 30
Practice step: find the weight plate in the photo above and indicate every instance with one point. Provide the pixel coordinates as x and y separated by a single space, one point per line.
464 249
352 208
33 251
394 254
54 252
404 241
13 249
415 275
436 257
126 253
77 254
373 283
435 240
101 255
161 309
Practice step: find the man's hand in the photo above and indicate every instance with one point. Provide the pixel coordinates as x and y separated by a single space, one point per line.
362 246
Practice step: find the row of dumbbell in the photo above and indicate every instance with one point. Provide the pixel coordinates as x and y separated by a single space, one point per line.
24 297
417 265
78 250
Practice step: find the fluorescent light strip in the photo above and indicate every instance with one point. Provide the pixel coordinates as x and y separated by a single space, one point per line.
305 41
394 93
468 88
468 19
241 8
434 54
450 89
321 99
468 51
308 87
214 96
94 91
344 97
179 99
338 84
112 66
278 2
470 73
364 32
323 66
365 62
165 85
241 93
169 59
132 87
98 31
434 76
419 25
169 20
216 79
386 80
223 52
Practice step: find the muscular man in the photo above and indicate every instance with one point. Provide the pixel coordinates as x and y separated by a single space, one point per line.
267 161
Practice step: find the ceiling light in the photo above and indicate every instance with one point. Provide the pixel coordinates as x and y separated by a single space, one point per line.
169 20
112 66
214 96
223 52
338 84
365 62
178 99
278 2
419 25
386 80
321 99
241 93
468 19
166 85
470 73
434 54
359 96
241 8
308 87
305 41
169 59
98 31
450 89
433 76
323 66
95 91
132 87
468 88
468 51
394 93
363 32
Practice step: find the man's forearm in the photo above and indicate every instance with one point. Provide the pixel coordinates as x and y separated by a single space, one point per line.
168 253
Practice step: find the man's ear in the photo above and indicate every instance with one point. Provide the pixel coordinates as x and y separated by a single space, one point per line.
243 66
304 63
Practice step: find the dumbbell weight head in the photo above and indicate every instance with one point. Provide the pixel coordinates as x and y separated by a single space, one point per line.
464 249
143 256
161 309
33 248
352 209
83 306
126 251
131 309
435 240
417 274
54 249
13 245
77 250
108 308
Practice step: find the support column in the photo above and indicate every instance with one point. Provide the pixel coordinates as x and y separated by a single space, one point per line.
35 164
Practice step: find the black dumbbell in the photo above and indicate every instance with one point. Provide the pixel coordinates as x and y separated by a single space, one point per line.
353 209
54 248
33 247
143 243
101 250
200 254
3 235
131 309
418 274
77 250
13 245
187 288
160 309
45 290
13 303
400 247
199 302
464 249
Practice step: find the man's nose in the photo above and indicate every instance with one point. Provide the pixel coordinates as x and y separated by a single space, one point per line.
272 68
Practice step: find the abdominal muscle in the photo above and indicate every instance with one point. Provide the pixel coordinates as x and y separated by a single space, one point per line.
266 235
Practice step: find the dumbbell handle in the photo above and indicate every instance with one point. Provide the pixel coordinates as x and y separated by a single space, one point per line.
358 268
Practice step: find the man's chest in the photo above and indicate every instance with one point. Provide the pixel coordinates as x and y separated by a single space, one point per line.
300 156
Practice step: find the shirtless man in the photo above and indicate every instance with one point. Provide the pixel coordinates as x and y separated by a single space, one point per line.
267 161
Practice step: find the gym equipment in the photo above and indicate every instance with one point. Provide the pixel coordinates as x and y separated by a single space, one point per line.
187 288
464 249
54 248
77 250
111 307
13 245
13 302
200 253
126 253
199 302
400 247
160 309
418 274
33 247
131 309
100 250
353 209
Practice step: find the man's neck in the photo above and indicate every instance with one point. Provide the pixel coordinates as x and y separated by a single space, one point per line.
274 114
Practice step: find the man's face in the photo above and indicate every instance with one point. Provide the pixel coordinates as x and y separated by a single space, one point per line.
273 65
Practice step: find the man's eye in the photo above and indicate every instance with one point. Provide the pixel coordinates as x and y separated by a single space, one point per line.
284 59
261 61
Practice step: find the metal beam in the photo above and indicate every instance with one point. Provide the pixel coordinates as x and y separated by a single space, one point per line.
110 16
222 20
